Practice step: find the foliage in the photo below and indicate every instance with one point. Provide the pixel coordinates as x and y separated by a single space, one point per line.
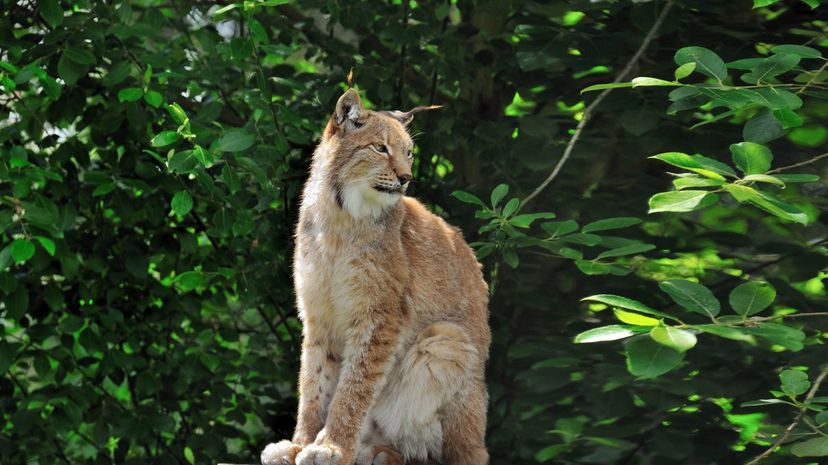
151 156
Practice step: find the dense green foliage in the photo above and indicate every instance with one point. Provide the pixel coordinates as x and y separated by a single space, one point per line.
151 155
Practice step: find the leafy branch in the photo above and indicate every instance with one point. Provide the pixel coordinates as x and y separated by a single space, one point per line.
803 409
588 112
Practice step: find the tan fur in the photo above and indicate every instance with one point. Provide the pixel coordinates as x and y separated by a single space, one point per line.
394 307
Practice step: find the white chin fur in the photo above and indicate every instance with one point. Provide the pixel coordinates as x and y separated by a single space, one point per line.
361 200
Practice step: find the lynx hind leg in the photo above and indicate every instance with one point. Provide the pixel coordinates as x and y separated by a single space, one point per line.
439 364
280 453
464 428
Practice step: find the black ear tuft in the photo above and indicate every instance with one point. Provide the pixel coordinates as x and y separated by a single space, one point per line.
408 116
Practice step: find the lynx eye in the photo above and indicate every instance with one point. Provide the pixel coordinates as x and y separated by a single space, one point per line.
410 154
381 148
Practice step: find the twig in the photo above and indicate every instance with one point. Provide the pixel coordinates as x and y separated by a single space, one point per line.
795 423
813 78
790 315
802 163
592 106
401 80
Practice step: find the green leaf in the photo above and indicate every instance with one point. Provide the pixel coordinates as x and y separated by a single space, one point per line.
188 453
794 178
751 158
649 359
610 223
794 382
684 70
799 50
511 258
634 318
559 228
243 224
715 166
815 447
165 138
682 160
22 250
582 239
203 156
549 452
592 268
612 85
182 203
104 189
154 98
604 333
762 128
51 12
766 178
190 280
47 244
235 140
229 176
675 338
510 207
763 3
776 99
726 332
182 162
681 201
768 202
783 335
705 60
498 193
644 81
465 197
50 86
691 182
626 304
771 67
630 249
485 250
788 118
130 94
177 113
525 220
691 296
80 56
70 71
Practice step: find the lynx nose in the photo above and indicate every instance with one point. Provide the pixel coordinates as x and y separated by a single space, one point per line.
404 178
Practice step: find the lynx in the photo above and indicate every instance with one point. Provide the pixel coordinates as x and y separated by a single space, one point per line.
394 307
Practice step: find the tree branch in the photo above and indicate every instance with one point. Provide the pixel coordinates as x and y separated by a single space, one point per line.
592 106
802 163
795 423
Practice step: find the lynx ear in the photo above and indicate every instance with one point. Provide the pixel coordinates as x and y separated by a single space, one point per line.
406 117
349 109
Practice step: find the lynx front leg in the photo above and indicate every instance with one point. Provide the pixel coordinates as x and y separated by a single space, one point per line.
317 380
363 376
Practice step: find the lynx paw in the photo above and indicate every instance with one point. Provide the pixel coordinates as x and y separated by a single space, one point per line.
321 454
280 453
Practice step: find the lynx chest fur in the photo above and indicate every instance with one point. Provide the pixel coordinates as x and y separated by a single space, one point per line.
394 310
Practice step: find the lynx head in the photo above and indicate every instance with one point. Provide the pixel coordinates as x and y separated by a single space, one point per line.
370 156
